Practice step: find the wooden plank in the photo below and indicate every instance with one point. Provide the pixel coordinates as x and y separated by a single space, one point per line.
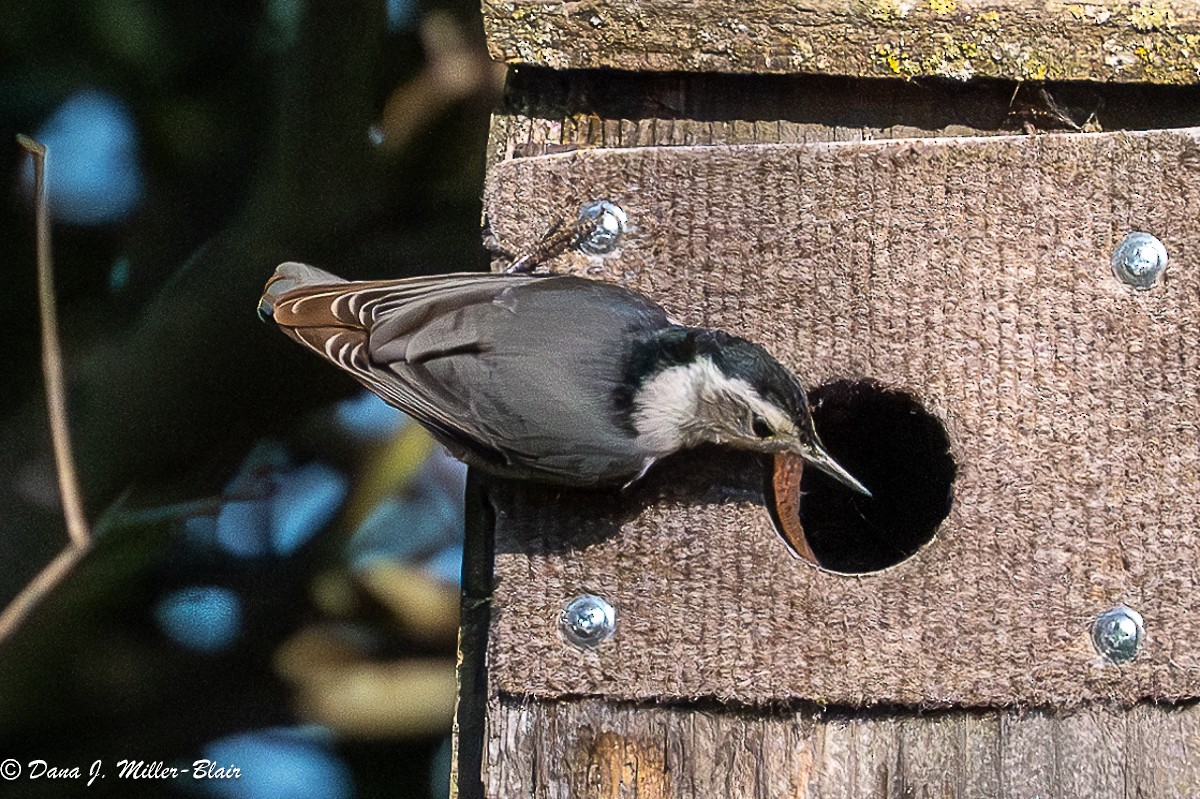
931 749
1032 40
1174 735
973 273
594 749
1099 739
978 774
662 110
1029 758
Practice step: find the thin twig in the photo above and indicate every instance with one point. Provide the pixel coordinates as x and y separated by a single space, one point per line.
56 406
557 240
52 366
39 586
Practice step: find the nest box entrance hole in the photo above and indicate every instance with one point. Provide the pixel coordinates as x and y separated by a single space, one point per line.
898 450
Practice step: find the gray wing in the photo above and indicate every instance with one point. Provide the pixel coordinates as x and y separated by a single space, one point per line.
515 372
528 376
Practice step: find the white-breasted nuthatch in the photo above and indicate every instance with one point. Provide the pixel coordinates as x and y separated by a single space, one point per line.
551 378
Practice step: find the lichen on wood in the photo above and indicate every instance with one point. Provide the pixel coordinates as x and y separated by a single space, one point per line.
1157 41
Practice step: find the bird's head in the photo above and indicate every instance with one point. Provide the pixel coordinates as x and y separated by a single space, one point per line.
708 386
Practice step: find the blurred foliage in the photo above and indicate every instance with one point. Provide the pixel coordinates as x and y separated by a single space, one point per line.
268 584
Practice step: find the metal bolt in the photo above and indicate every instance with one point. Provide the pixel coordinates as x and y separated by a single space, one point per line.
1117 634
1139 260
588 620
605 223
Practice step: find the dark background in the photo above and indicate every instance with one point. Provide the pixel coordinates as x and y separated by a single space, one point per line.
254 533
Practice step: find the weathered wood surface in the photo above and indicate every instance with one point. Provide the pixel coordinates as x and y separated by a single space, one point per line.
555 113
1155 41
593 749
973 273
551 112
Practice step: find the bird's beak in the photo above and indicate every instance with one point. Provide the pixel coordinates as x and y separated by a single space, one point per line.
816 455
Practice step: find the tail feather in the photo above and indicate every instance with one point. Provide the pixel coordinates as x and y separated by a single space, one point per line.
298 295
289 277
303 301
333 316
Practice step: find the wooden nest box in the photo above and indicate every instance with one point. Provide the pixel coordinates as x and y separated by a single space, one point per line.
973 228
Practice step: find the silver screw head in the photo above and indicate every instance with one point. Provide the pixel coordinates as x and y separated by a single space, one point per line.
1117 634
587 621
606 224
1139 260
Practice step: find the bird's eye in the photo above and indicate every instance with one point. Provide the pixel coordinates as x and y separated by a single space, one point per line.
760 427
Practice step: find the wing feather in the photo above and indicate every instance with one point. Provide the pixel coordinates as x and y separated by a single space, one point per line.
335 318
518 371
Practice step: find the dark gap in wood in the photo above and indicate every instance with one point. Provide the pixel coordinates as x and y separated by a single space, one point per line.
477 582
930 104
479 540
847 713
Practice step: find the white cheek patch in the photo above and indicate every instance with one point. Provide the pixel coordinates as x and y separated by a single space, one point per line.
678 407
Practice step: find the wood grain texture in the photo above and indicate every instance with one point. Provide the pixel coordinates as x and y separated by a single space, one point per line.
547 112
593 749
1109 40
550 112
973 273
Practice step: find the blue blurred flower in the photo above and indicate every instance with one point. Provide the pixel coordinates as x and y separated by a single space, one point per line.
200 532
401 14
285 507
243 528
446 565
92 171
201 618
277 763
118 276
439 779
404 528
367 416
307 499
